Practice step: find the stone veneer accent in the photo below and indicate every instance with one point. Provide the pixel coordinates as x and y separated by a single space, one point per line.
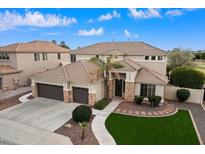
66 96
110 90
129 91
91 99
33 89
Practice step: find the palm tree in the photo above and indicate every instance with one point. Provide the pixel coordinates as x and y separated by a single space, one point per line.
106 67
83 125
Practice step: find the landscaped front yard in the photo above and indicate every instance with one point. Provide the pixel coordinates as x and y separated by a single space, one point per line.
177 129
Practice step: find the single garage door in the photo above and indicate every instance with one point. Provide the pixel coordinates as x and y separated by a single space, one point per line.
80 95
50 91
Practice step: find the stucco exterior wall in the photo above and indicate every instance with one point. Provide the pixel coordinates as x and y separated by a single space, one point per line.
196 95
12 62
99 88
8 81
30 67
84 57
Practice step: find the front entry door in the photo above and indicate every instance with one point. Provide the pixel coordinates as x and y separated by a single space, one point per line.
118 87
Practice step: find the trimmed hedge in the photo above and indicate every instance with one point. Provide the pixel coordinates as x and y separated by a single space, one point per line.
183 94
82 113
101 104
187 77
139 99
154 100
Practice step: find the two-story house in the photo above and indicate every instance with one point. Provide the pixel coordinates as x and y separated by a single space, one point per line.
18 62
143 73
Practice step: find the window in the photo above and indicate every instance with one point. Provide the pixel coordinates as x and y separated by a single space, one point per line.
97 56
147 90
36 56
4 56
45 57
146 57
59 56
159 57
153 58
73 58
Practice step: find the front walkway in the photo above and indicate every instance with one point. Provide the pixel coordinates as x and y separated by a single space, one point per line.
145 109
12 93
98 124
198 113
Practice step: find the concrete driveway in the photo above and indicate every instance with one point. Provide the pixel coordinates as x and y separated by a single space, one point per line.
35 120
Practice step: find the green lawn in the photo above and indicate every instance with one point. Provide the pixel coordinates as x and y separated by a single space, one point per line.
200 66
172 130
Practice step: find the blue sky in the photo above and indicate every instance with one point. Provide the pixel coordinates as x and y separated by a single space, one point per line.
164 28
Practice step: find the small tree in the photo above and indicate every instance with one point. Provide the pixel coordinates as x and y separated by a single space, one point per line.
83 125
179 57
187 77
202 56
64 45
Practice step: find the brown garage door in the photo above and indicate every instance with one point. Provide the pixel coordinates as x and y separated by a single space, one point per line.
50 91
80 95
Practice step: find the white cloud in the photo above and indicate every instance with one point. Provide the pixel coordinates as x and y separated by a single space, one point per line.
127 33
91 32
144 14
109 16
10 20
90 20
175 12
51 33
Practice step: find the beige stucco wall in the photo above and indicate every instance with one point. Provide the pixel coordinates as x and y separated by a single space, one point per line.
12 62
84 57
98 89
30 67
196 95
8 81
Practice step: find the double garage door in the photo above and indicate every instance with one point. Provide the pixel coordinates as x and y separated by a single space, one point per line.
80 95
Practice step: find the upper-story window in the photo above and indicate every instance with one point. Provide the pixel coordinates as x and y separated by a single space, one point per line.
146 57
153 58
4 56
73 58
59 55
45 56
159 57
37 56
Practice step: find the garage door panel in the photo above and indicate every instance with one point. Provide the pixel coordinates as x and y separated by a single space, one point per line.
80 95
50 91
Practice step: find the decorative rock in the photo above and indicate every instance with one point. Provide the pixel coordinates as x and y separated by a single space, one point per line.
130 112
68 125
118 110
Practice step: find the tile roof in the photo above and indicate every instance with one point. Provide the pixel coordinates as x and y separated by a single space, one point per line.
78 72
7 69
34 46
144 74
127 48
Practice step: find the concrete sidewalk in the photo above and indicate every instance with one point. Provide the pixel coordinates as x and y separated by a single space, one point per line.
98 124
12 93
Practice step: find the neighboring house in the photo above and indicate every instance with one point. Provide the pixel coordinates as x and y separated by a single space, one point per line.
140 52
83 82
21 60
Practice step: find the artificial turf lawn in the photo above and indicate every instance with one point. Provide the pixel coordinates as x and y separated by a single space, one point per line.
177 129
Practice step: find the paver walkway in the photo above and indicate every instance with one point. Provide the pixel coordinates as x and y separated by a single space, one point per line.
145 109
198 113
11 93
98 124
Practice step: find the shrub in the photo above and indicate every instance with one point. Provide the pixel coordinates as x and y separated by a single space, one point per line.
187 77
154 100
139 99
82 113
183 94
101 104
